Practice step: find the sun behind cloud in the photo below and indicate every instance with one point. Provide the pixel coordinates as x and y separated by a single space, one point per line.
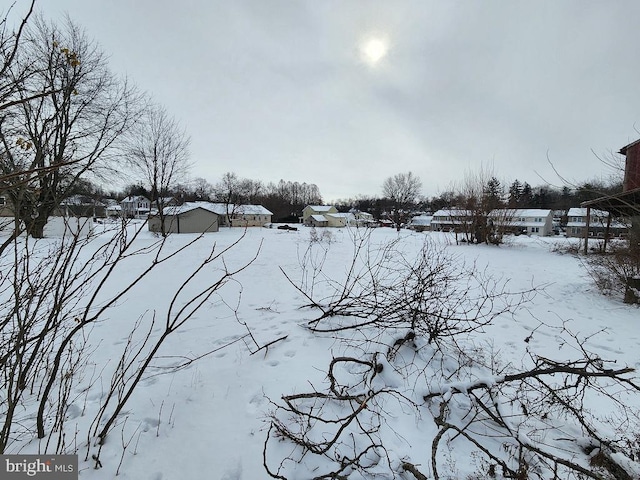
374 49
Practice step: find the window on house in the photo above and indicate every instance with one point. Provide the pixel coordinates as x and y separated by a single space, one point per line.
2 201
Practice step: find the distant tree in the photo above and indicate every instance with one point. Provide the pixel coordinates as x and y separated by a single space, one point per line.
566 198
201 189
526 198
251 191
135 190
479 193
515 192
229 192
446 199
401 190
158 148
287 199
493 193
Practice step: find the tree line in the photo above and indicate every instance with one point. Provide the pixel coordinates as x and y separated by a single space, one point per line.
490 192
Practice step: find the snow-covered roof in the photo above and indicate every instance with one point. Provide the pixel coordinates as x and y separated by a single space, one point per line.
582 212
452 213
252 210
224 209
422 220
134 198
321 208
80 200
187 207
319 218
520 212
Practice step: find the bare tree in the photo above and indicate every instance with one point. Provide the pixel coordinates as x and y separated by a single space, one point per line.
159 150
229 192
49 141
479 192
12 79
202 189
402 190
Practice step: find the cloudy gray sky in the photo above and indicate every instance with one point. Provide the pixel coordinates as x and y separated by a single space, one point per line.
275 89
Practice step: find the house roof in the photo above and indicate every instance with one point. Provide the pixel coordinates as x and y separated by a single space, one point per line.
253 210
582 212
623 150
453 212
80 200
319 218
217 208
321 208
424 220
521 212
187 207
134 198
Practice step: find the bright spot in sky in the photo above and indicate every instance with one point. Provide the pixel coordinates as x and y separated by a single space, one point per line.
374 50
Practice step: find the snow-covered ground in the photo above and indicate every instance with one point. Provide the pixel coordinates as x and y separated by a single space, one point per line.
210 418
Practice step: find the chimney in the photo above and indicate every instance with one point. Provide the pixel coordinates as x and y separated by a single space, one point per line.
632 166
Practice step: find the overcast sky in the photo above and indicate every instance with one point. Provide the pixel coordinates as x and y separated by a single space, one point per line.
346 93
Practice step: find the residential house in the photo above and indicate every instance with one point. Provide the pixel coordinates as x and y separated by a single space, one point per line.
317 211
339 219
81 206
135 206
420 223
451 220
328 216
530 221
317 221
191 217
241 215
250 216
577 223
361 219
162 202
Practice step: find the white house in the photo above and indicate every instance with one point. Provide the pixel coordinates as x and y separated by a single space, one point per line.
451 219
531 221
311 214
240 215
328 216
577 223
135 206
421 223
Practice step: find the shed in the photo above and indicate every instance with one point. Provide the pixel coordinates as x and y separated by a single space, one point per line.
187 218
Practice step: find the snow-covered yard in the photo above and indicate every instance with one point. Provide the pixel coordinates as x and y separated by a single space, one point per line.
210 417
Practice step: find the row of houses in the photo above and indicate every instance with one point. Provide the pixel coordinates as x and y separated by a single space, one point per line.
195 217
328 216
531 221
190 217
